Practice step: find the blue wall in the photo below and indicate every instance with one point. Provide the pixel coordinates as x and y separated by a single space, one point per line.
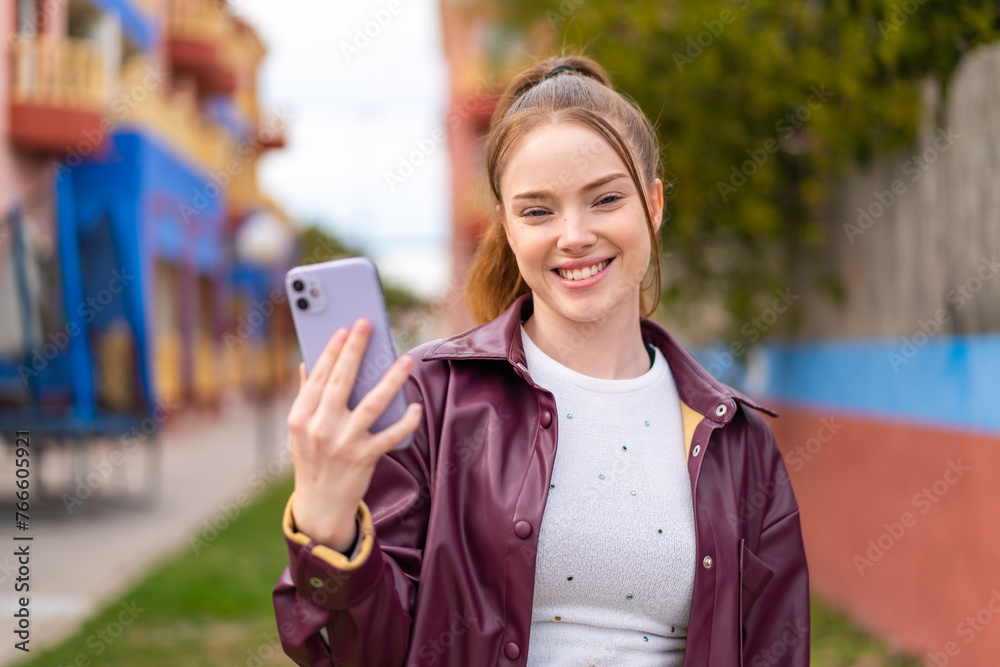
117 214
138 27
948 381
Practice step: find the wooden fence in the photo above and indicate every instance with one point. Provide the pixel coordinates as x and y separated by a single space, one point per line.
915 236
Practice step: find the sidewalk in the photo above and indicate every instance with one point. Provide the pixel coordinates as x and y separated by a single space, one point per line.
82 559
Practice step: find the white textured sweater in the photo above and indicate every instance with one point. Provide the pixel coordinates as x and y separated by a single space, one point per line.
614 572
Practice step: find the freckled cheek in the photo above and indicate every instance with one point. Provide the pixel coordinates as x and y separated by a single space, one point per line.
529 262
532 249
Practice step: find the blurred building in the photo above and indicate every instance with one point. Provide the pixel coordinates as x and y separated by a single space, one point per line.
139 262
467 31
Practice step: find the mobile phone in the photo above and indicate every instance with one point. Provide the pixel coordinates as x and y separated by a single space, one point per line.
326 296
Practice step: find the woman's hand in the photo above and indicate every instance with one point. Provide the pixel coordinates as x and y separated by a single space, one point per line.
333 453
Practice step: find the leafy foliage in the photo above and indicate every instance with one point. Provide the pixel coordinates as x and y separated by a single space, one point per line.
199 607
760 106
319 245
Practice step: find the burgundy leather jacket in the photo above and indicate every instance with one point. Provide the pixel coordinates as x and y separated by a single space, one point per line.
445 570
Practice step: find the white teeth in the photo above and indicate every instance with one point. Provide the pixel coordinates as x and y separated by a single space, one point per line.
586 272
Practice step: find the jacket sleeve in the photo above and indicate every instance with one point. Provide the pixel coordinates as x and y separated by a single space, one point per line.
332 610
774 576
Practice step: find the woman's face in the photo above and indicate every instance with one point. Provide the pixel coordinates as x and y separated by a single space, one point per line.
575 222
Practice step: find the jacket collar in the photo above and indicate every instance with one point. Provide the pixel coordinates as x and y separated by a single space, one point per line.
501 339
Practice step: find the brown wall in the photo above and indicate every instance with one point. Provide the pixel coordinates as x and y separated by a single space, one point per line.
932 572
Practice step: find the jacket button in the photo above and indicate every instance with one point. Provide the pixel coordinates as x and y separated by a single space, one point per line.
522 529
512 651
316 582
707 562
546 419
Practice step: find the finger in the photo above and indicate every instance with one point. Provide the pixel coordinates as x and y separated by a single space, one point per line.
395 433
302 373
312 386
328 357
337 387
374 403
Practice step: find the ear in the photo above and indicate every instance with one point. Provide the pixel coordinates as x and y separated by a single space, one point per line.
503 221
656 203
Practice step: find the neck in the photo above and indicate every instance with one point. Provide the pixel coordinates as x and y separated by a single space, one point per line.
610 348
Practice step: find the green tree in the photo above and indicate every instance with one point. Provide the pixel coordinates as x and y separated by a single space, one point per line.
760 105
320 245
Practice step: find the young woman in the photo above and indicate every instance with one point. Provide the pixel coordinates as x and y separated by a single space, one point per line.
662 531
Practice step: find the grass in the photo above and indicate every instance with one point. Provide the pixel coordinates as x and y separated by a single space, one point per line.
208 610
836 642
214 609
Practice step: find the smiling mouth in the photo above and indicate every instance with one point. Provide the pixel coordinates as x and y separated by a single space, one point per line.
584 273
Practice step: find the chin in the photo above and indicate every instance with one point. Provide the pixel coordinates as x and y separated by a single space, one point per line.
588 312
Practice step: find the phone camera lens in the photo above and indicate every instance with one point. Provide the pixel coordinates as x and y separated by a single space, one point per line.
302 304
298 286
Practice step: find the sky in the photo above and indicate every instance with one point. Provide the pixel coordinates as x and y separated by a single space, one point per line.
364 84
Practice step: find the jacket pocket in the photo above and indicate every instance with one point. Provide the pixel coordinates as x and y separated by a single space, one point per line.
754 576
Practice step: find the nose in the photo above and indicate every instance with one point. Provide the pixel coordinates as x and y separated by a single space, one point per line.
575 233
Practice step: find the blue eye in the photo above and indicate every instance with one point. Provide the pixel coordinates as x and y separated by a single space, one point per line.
609 199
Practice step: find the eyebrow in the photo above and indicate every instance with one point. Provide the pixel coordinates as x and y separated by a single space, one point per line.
545 194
